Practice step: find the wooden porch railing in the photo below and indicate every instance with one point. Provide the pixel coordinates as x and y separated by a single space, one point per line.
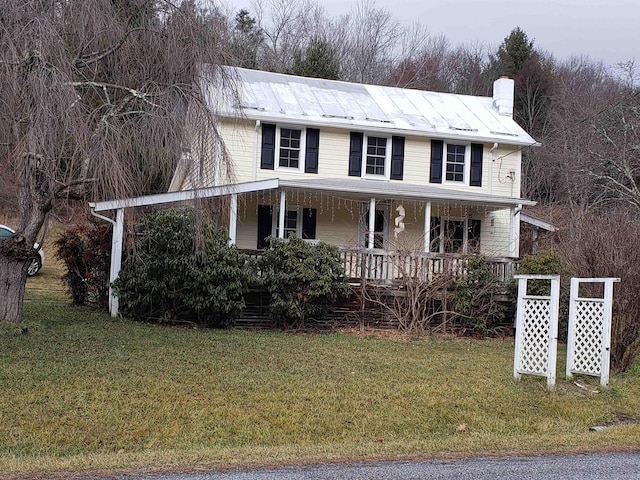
390 266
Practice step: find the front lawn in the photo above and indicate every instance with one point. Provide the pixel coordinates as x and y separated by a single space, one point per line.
83 391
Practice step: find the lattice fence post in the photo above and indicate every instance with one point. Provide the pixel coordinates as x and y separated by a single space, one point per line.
589 338
537 330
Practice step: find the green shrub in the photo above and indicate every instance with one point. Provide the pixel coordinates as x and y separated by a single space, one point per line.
547 262
476 299
86 253
167 279
303 280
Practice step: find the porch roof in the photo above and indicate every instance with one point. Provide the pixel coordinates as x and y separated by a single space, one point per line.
370 188
390 190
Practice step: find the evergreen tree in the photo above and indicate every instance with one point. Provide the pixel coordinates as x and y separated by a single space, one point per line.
318 60
247 39
512 54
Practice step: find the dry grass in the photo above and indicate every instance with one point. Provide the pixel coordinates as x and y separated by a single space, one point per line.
81 391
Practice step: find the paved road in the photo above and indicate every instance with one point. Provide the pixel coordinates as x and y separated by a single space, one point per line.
619 466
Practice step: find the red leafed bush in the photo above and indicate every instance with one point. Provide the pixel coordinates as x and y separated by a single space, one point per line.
85 250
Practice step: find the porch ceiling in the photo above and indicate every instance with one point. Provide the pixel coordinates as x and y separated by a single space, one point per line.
356 187
393 190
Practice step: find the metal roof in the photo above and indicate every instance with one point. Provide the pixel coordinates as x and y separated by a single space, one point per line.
392 190
371 188
537 222
278 97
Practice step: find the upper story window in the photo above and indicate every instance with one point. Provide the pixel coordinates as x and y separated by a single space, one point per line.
372 156
289 148
290 151
456 163
376 156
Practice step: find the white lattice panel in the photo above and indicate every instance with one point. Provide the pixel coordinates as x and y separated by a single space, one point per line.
535 336
588 337
537 330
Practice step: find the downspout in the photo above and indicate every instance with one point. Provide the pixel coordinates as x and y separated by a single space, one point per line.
255 152
515 231
517 210
495 145
106 219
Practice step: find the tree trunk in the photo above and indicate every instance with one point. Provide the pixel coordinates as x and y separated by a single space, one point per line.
13 277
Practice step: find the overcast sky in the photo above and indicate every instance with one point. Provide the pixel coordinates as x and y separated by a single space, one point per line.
607 30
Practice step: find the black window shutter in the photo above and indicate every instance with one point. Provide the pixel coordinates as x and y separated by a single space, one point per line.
437 147
397 158
308 223
311 153
267 158
476 165
355 155
265 214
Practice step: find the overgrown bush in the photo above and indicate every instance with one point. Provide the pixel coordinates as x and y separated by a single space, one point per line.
548 262
303 280
608 245
86 253
167 279
475 298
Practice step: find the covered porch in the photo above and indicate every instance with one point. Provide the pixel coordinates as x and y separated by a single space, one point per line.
382 219
384 229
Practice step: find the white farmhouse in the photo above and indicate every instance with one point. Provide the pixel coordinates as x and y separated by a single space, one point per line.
344 157
372 169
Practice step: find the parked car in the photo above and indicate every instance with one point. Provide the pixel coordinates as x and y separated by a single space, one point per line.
35 264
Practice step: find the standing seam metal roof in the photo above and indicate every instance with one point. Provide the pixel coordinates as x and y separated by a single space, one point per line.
284 98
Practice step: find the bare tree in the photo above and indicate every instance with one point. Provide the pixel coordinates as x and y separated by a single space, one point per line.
426 68
616 168
581 90
94 94
372 38
607 244
288 25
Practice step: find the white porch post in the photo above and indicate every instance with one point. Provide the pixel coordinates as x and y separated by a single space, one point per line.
281 216
427 227
233 218
116 259
372 223
515 230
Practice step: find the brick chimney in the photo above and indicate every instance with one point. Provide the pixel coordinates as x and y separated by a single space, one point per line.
503 93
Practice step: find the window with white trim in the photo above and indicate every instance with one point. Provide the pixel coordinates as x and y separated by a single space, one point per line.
376 157
455 235
290 148
290 145
292 223
456 163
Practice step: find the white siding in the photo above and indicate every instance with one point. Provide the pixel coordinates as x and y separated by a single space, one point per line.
340 221
241 140
338 218
496 237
